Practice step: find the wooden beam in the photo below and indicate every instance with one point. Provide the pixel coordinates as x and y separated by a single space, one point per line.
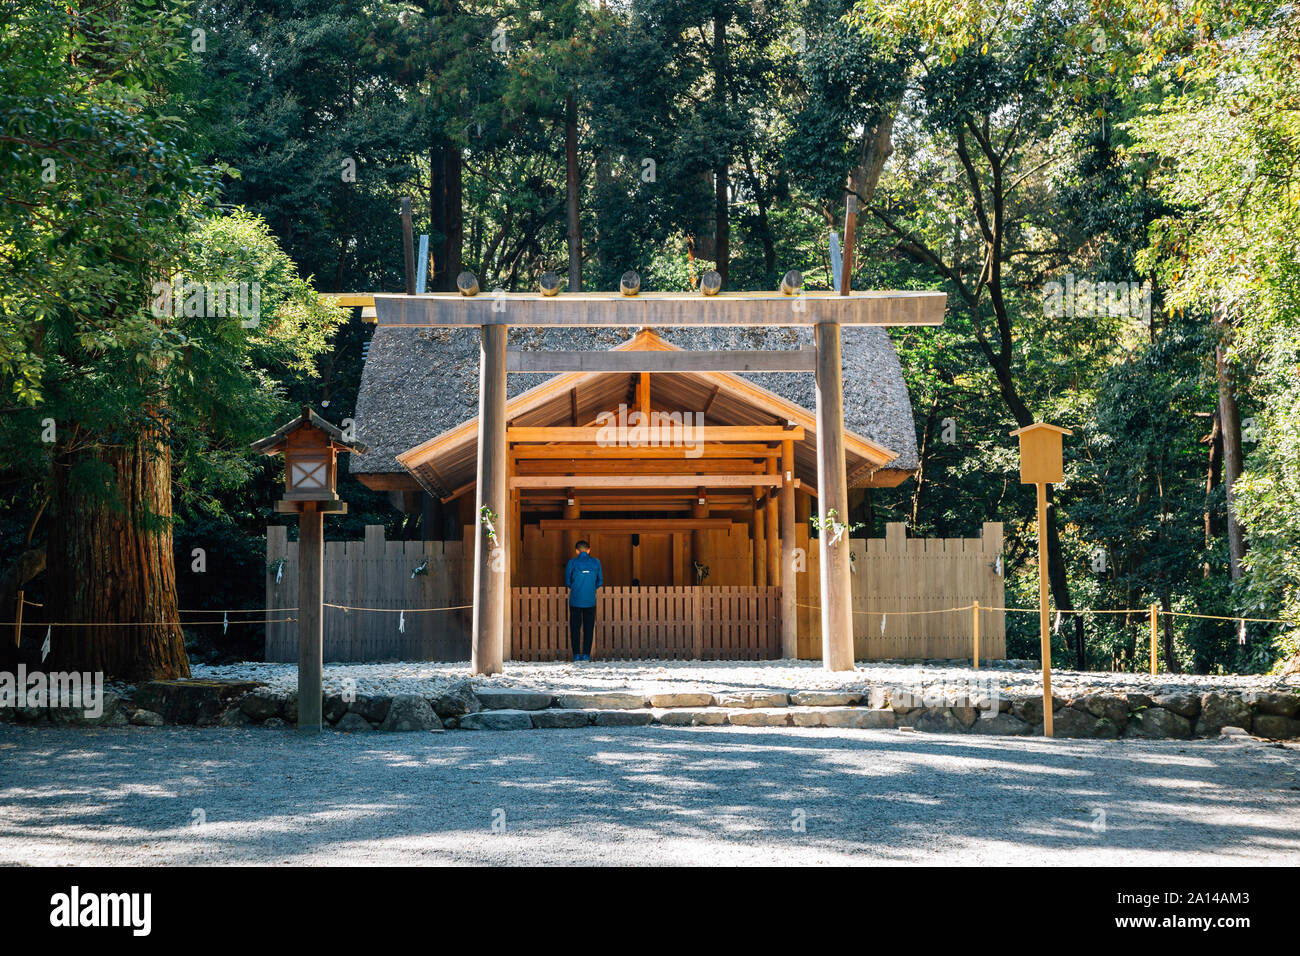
350 300
642 481
490 590
662 437
736 360
635 525
661 309
462 490
710 450
832 480
388 481
624 466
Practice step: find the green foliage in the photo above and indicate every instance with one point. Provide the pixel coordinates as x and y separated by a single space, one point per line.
1077 114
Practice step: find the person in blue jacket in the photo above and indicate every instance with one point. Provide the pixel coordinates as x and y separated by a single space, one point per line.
582 576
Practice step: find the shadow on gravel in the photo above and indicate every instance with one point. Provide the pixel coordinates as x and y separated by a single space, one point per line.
267 795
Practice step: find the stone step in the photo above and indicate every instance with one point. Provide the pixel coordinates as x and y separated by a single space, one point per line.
601 700
563 718
502 698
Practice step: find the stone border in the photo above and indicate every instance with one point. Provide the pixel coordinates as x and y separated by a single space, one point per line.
1108 716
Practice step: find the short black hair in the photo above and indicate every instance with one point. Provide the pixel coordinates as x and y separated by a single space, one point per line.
583 546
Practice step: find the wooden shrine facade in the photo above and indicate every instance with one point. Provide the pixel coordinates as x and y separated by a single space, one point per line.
681 473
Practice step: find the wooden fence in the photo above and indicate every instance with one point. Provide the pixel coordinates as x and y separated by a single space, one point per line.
375 573
693 623
896 577
891 575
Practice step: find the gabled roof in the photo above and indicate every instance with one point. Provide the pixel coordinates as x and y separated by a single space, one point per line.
273 442
1038 426
447 461
422 383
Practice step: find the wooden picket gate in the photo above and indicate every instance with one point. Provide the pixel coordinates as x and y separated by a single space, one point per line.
692 623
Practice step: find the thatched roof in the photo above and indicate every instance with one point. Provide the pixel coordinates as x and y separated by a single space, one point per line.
418 383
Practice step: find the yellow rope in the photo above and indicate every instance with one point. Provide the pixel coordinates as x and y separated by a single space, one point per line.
37 624
1086 610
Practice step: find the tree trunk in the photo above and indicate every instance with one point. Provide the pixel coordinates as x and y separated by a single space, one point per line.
1213 475
1230 423
571 192
721 182
1167 639
110 561
765 235
440 280
877 145
453 215
927 434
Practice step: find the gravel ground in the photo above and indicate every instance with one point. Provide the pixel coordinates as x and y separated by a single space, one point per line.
649 795
431 679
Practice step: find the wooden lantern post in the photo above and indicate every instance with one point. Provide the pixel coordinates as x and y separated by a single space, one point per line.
1041 465
310 446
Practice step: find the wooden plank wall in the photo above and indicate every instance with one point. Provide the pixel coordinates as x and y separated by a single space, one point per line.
892 574
731 557
898 573
375 573
691 623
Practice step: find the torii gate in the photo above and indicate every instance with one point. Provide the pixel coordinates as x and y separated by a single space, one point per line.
494 313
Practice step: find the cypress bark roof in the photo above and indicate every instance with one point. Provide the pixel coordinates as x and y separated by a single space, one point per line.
420 382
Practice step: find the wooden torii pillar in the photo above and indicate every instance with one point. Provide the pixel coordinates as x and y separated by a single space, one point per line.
826 311
491 577
833 505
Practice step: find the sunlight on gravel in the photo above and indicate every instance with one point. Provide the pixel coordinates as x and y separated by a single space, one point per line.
431 679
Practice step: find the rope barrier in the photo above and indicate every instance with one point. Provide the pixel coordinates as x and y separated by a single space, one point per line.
1219 617
1087 610
36 624
400 610
466 607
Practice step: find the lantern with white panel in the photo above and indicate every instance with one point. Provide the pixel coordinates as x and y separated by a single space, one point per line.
310 446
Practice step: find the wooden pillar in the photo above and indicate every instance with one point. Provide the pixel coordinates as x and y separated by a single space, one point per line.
643 398
833 495
490 561
789 581
311 630
759 544
1044 631
699 536
571 511
513 551
772 524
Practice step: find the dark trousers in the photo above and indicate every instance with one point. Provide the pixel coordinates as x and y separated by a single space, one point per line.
582 628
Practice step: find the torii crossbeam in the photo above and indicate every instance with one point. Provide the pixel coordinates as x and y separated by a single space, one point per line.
494 313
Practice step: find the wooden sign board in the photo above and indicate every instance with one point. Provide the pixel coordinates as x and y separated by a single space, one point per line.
1040 453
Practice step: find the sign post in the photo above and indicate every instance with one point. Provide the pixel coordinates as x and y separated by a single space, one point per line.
310 446
1041 465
